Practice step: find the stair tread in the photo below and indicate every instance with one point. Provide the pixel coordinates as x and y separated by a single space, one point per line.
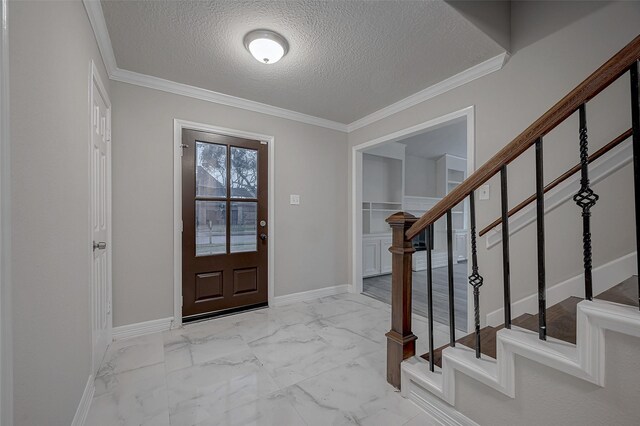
487 344
626 292
561 320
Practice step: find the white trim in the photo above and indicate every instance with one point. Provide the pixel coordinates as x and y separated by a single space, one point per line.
604 277
85 403
96 17
161 84
606 165
434 407
487 67
178 125
99 26
584 360
6 352
356 185
305 296
141 328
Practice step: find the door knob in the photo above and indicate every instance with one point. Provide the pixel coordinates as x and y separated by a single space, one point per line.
263 237
100 246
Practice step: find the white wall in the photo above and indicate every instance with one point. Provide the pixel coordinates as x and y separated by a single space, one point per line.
310 239
420 177
381 179
51 47
491 17
555 46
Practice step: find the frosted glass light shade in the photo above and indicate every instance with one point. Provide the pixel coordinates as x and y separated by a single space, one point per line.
266 46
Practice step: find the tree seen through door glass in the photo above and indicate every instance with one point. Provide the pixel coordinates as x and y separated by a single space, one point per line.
211 227
211 170
244 173
244 227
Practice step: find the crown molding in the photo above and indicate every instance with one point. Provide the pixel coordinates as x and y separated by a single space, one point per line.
157 83
99 25
96 18
487 67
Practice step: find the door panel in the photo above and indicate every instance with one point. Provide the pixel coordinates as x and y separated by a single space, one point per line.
100 224
224 212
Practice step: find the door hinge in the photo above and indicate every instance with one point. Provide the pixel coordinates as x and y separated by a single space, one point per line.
109 307
182 147
182 303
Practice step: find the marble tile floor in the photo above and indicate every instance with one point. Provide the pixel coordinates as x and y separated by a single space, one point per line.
311 363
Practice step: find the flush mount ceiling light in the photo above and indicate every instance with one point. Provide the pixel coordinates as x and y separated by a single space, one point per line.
266 46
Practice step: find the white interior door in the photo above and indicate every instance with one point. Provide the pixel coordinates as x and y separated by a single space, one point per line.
100 169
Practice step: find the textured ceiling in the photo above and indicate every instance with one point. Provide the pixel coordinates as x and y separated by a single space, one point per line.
450 138
346 59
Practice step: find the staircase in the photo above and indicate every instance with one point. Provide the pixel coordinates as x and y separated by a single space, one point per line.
561 321
568 336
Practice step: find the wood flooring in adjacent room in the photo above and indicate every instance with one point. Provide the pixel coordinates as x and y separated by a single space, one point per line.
379 288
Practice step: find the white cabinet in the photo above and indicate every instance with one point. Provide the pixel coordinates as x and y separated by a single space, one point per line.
370 257
439 259
385 255
460 252
376 258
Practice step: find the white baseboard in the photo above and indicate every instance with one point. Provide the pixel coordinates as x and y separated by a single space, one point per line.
304 296
85 403
442 413
141 328
604 277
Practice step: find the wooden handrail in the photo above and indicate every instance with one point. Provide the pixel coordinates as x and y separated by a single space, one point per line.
589 88
599 153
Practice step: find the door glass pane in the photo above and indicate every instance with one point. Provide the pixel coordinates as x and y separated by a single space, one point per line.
211 229
244 218
244 173
211 170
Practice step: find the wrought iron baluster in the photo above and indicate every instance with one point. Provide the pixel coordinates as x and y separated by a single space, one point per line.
475 279
506 270
635 119
429 235
542 303
585 199
452 320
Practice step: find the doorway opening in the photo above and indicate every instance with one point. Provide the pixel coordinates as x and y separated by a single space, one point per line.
411 171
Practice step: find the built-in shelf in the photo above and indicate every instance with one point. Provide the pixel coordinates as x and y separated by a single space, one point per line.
374 215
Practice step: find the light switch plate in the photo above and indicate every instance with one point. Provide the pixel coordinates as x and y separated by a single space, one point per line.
294 199
484 192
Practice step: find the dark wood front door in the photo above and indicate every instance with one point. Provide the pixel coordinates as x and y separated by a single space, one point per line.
224 214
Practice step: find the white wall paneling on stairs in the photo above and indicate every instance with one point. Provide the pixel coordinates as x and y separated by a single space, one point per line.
585 360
